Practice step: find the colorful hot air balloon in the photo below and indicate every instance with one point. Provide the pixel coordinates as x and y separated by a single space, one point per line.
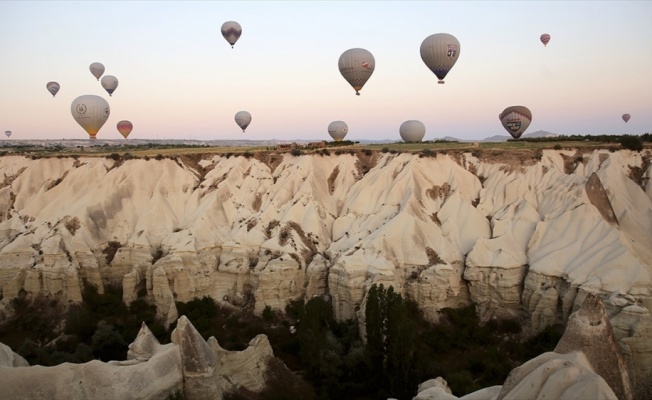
243 119
91 112
125 127
515 120
440 52
356 66
231 31
626 117
8 133
545 38
110 83
53 88
412 131
338 130
97 69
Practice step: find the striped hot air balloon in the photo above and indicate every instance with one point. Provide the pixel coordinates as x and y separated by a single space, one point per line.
545 38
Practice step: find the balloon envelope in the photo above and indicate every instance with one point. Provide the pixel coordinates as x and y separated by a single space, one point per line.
125 127
356 66
7 133
338 130
412 131
231 31
626 117
53 88
110 83
545 38
243 119
97 69
91 112
515 120
440 52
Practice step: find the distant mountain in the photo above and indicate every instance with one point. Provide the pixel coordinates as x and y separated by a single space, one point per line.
504 138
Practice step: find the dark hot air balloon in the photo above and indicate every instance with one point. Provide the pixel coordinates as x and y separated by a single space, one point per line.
626 117
125 127
545 38
515 120
53 88
231 31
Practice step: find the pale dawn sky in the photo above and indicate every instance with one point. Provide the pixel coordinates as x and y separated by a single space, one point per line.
179 78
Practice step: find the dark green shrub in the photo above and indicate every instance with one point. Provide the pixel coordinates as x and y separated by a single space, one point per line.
633 143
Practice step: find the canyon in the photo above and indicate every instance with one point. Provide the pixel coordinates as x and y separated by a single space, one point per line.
519 234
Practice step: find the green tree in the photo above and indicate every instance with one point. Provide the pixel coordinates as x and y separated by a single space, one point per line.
391 344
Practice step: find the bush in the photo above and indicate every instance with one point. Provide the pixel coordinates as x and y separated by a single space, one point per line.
633 143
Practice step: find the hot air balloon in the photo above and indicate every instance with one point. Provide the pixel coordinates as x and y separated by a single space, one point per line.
8 133
626 117
125 127
97 69
53 88
412 131
110 83
515 120
231 31
440 52
338 130
356 66
243 119
91 112
545 38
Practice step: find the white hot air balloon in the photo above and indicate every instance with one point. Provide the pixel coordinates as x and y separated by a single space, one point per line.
109 83
356 66
53 88
97 69
243 119
412 131
338 130
231 31
8 133
91 112
440 52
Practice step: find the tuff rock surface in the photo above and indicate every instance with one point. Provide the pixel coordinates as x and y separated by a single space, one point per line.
516 235
198 369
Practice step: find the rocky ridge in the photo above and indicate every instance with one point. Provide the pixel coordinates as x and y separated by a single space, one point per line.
522 237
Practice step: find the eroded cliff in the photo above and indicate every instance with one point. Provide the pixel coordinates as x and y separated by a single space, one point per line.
517 237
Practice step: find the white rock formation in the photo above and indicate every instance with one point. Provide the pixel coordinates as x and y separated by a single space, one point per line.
516 236
198 369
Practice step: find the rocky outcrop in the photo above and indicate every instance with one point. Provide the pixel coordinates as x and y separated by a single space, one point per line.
198 369
516 235
587 363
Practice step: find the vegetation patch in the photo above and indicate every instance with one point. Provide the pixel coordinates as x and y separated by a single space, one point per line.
72 224
367 159
439 192
331 179
110 250
433 257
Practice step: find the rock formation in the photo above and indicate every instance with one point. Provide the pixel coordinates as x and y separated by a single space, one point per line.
586 364
198 369
516 235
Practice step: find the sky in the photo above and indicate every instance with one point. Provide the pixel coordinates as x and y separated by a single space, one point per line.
180 79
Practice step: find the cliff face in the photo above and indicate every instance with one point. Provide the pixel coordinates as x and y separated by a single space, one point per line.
514 235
